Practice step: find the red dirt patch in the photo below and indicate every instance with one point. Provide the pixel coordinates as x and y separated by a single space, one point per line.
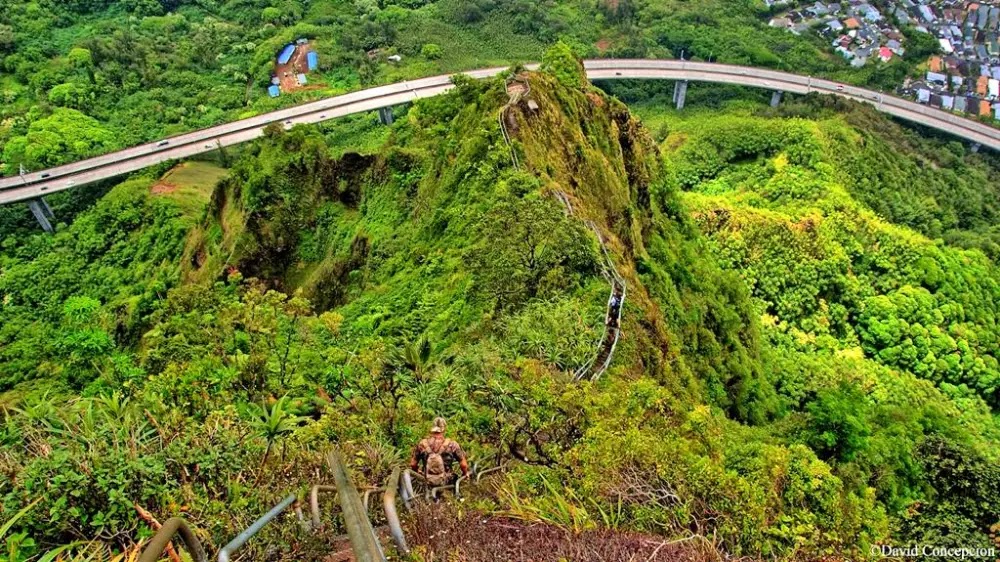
162 188
603 45
440 533
287 73
515 88
595 99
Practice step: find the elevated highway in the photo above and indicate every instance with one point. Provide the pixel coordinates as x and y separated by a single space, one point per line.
34 185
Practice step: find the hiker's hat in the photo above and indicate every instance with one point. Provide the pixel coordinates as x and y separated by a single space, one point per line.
439 425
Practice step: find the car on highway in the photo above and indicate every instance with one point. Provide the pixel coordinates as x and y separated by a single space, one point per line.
162 143
840 87
45 175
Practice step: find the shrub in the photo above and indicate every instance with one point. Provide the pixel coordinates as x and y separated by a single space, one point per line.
431 51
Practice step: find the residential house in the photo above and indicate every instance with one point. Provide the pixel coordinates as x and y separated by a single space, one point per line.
936 78
818 9
928 15
870 13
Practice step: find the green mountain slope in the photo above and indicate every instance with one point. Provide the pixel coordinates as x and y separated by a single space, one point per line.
796 377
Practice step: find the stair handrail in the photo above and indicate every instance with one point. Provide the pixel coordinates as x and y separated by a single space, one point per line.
364 543
317 522
162 538
616 281
407 490
400 482
391 515
241 539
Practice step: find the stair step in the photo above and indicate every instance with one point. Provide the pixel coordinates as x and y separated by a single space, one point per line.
342 556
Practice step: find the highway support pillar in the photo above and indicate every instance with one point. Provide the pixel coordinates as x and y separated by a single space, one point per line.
776 98
975 147
680 91
43 213
385 115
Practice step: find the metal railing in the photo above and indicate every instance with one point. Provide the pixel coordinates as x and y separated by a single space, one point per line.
389 505
317 522
401 482
512 100
359 528
612 321
364 542
241 539
162 538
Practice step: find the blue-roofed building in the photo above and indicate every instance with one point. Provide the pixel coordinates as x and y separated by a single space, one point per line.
286 54
302 79
312 60
936 78
273 91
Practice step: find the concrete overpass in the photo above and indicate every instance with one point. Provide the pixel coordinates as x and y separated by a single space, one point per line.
32 186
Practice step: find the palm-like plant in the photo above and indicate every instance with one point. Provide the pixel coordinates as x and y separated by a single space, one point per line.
274 423
415 357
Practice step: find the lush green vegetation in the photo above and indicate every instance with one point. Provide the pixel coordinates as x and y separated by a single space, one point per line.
798 376
84 77
882 341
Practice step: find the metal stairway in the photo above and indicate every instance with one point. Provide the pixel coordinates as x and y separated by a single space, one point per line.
361 543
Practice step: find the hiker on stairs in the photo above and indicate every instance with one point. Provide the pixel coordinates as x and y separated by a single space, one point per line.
438 453
615 304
